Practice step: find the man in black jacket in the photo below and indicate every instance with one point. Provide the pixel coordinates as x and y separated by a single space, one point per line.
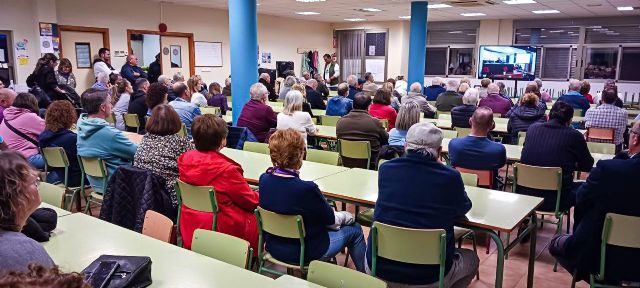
313 97
265 79
322 86
137 103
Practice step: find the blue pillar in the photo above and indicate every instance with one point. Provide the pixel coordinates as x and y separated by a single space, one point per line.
417 42
243 34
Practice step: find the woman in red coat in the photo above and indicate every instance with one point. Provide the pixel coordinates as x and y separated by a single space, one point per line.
206 166
381 108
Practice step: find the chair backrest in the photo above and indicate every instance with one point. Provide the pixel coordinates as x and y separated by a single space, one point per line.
111 119
157 226
485 177
210 110
543 178
325 157
355 149
469 179
463 132
607 134
449 134
223 247
256 147
201 198
329 120
51 194
334 276
277 103
287 226
414 246
602 148
521 137
94 167
577 112
183 131
131 120
55 157
619 230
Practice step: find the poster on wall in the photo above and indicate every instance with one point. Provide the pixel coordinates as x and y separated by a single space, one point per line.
266 57
49 38
22 52
46 45
208 54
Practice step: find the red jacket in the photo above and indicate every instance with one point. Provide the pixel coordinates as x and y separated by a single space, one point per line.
236 201
381 111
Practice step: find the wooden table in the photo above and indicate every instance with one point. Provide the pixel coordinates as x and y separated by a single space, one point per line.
61 212
288 281
254 164
79 239
492 210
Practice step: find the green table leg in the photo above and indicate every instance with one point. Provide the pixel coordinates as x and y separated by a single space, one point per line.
532 249
500 248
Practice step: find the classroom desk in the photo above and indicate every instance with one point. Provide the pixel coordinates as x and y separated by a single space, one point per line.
79 239
446 124
227 118
133 137
326 132
492 210
61 212
288 281
254 164
316 112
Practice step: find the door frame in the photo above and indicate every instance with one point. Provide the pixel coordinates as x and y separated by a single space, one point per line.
72 28
189 36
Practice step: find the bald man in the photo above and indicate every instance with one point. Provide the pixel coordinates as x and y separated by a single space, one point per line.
265 79
476 151
6 100
131 71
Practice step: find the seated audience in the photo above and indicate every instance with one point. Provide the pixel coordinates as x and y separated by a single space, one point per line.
358 125
195 85
608 116
401 85
7 96
322 86
166 80
217 99
476 151
96 138
183 106
524 115
409 114
131 71
502 90
461 114
206 166
283 192
227 87
19 197
21 128
484 84
293 117
102 82
556 144
585 88
286 87
137 103
64 74
607 190
381 108
432 92
178 78
313 97
352 80
156 95
306 107
532 87
340 105
122 97
462 88
494 101
415 96
61 115
369 87
265 79
574 98
395 96
256 115
416 191
450 98
544 95
161 146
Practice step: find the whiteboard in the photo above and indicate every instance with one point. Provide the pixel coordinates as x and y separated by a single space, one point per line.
376 67
208 54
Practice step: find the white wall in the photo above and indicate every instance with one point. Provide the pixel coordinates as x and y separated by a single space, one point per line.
20 17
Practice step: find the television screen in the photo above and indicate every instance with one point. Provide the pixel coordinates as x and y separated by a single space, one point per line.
507 62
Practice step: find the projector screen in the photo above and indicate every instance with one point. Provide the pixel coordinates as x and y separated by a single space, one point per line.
507 62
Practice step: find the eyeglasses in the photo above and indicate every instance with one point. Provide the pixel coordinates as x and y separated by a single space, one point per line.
634 132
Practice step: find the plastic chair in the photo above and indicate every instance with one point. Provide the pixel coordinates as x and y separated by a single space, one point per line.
601 134
94 167
521 137
286 226
199 198
223 247
51 194
157 226
333 276
325 157
485 177
619 230
449 134
111 119
469 179
542 178
415 246
577 112
276 104
56 157
329 120
602 148
183 131
257 147
355 150
131 120
463 132
210 110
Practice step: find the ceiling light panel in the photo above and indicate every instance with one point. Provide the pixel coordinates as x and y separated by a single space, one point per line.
516 2
307 13
355 19
438 6
473 14
545 11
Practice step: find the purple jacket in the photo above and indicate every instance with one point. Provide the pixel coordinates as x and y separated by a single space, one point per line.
259 118
219 101
497 103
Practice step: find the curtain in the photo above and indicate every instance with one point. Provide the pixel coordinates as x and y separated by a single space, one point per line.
350 43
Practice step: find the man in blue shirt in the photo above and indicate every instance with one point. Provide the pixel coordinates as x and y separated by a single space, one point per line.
186 110
476 151
434 90
417 191
574 98
131 71
340 105
352 80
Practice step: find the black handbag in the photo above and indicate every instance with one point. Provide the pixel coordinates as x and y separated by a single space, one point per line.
133 271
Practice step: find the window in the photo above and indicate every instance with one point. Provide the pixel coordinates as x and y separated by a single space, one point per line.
436 61
629 64
556 63
461 61
451 36
612 34
362 51
537 36
601 63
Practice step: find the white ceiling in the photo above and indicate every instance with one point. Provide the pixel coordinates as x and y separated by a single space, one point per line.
338 10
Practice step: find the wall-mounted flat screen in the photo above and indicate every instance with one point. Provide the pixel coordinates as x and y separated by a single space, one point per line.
507 62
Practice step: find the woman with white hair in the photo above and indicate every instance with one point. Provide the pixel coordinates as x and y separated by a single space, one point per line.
288 83
292 115
461 114
102 82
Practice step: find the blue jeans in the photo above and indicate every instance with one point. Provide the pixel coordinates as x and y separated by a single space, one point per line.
37 161
350 236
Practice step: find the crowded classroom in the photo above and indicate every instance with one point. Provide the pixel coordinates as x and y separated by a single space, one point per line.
372 143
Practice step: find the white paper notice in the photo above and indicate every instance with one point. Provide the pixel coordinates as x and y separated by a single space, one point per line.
376 67
2 56
46 44
372 50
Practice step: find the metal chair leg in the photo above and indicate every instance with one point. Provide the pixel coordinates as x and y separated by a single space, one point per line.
569 221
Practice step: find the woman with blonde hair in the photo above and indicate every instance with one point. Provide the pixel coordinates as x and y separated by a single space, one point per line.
306 107
463 88
124 89
293 117
409 114
195 85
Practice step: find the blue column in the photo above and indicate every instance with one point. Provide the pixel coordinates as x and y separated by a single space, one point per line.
243 34
417 42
